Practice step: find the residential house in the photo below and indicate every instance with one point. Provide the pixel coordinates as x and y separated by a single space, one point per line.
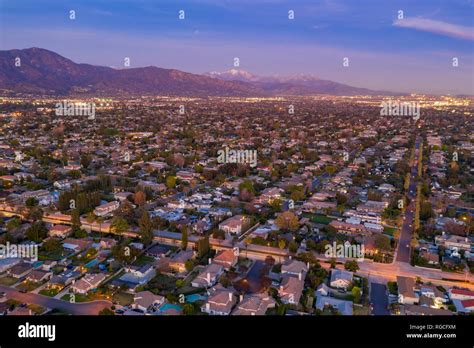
406 290
295 268
138 274
107 208
38 275
220 301
20 270
349 228
77 244
291 289
410 309
48 265
431 291
226 258
144 300
460 294
208 276
341 306
60 231
454 242
88 283
254 304
64 279
341 279
157 251
234 224
178 261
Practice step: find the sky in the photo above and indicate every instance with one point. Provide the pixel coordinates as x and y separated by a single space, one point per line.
408 51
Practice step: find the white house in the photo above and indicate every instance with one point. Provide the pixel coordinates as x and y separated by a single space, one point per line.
208 276
341 279
107 208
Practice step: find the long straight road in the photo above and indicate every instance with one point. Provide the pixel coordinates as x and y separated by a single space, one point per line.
406 231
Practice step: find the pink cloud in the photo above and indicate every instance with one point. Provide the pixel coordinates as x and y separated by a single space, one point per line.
438 27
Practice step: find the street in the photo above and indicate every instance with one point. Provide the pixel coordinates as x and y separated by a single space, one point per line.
378 299
86 308
406 231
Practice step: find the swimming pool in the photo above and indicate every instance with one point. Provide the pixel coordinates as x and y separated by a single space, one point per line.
194 297
167 306
38 264
92 263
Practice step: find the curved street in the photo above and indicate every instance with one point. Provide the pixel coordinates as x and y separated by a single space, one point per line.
84 308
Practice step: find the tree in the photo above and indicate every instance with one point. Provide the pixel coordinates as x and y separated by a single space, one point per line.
287 221
281 244
90 218
52 245
341 199
225 281
118 225
139 198
382 242
396 234
106 311
189 265
37 231
86 160
293 246
356 294
247 185
276 204
75 219
13 224
171 182
351 265
124 254
184 238
31 202
203 246
35 214
188 309
146 228
414 243
333 262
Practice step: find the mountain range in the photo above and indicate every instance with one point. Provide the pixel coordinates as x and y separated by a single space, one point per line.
43 72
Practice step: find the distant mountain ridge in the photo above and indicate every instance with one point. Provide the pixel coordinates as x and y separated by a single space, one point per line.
294 85
47 73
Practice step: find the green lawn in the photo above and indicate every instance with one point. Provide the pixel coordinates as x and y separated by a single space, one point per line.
389 230
320 219
143 259
49 292
53 255
36 308
123 298
161 283
28 286
8 281
77 298
360 310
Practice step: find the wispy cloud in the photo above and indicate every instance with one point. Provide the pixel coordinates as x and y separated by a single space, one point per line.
438 27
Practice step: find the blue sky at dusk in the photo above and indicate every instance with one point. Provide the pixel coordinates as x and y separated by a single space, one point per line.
409 55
